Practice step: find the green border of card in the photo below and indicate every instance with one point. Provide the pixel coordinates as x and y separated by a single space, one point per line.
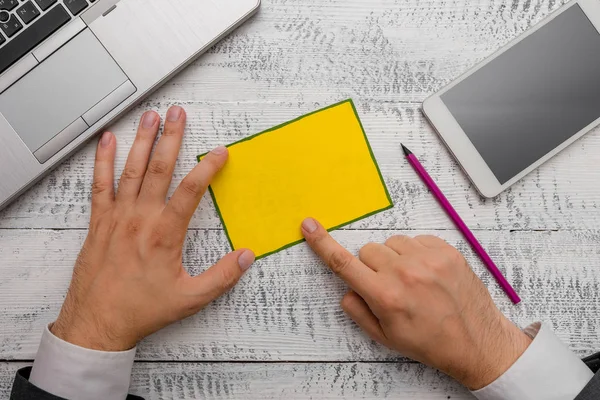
212 194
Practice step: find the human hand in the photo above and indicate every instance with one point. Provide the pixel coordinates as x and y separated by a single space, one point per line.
419 297
129 280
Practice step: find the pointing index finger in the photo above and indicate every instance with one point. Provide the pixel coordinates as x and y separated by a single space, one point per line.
356 274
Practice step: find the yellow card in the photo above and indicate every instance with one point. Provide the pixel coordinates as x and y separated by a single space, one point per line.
319 165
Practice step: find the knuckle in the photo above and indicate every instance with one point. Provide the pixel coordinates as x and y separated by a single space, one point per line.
156 239
212 161
339 261
438 266
133 226
159 238
131 173
211 164
179 210
397 239
419 277
158 168
194 188
410 278
427 238
441 258
367 250
390 300
419 273
316 239
100 187
143 139
432 241
454 255
172 131
451 259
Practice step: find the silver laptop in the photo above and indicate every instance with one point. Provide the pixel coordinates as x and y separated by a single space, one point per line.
70 67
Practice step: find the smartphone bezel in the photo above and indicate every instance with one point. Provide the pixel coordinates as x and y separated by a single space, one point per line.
457 140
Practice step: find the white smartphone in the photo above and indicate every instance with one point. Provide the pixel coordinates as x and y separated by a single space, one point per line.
527 102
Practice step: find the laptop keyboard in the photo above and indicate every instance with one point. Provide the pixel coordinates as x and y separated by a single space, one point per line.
26 23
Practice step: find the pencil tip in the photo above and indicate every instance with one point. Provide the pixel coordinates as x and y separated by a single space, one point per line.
407 152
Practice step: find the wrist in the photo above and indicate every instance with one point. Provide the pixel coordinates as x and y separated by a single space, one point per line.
88 336
498 354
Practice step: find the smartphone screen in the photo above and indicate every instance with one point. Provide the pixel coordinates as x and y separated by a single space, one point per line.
532 98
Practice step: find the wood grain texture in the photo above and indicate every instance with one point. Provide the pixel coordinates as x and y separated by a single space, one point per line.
162 381
281 333
387 55
287 307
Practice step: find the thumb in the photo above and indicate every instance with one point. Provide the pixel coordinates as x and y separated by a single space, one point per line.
223 276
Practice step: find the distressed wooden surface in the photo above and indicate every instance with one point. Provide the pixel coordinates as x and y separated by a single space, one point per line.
388 55
557 196
162 381
287 307
281 333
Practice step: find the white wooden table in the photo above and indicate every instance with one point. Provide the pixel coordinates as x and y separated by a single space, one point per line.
281 333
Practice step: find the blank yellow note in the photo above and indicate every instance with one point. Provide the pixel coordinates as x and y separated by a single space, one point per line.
320 165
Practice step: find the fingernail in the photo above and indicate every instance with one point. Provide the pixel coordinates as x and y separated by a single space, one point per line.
309 225
105 140
219 150
246 259
149 119
174 114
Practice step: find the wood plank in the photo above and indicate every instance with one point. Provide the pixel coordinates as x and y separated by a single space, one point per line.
286 308
557 196
281 380
380 50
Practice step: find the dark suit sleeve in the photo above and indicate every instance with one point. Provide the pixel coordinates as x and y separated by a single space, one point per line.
593 362
23 390
592 390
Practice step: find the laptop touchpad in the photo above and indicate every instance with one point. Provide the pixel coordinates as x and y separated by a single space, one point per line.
60 90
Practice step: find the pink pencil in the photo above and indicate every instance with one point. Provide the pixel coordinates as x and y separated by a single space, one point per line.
508 289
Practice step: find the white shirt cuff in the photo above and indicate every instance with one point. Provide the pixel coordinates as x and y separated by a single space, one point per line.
73 372
547 370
